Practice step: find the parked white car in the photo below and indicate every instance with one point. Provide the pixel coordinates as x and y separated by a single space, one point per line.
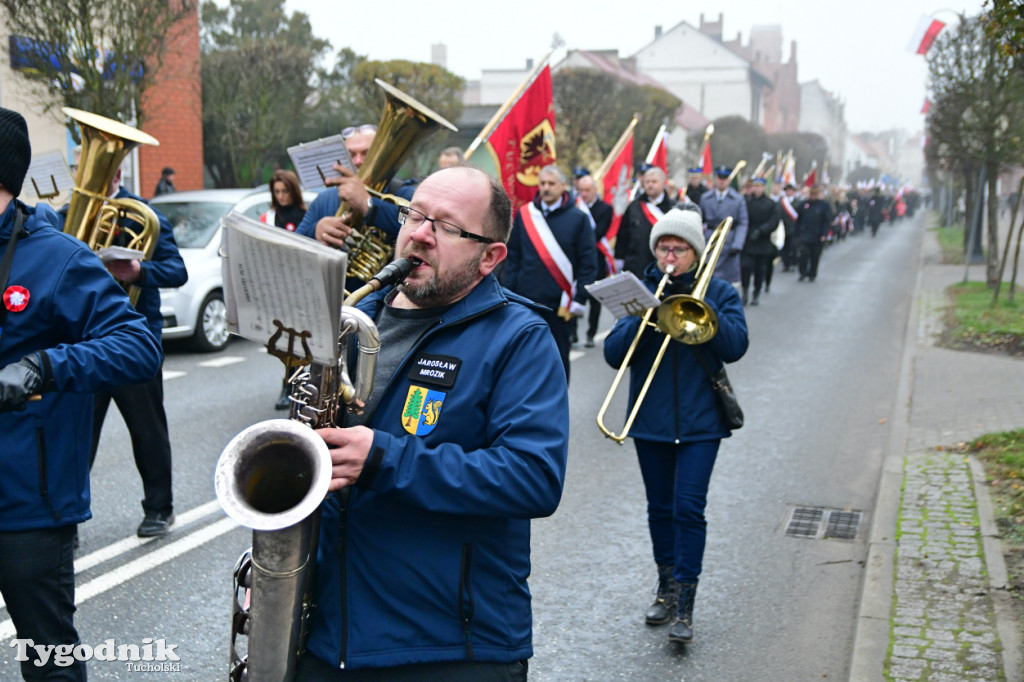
196 311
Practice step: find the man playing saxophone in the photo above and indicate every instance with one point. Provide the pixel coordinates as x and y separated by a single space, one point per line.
425 542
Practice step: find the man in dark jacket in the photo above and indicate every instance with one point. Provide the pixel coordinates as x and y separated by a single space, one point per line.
552 255
758 250
631 245
811 230
424 556
68 331
142 405
601 218
696 187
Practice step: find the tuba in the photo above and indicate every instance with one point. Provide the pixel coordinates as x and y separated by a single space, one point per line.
403 124
93 217
272 478
684 317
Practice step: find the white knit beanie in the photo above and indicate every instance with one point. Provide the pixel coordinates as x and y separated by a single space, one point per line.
685 223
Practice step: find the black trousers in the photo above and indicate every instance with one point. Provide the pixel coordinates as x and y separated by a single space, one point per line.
560 330
756 265
142 406
37 581
810 253
314 670
593 317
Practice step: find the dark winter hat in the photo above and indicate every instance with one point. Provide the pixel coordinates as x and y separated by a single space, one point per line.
167 171
15 150
685 223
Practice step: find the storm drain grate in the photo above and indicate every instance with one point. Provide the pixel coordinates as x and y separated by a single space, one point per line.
819 523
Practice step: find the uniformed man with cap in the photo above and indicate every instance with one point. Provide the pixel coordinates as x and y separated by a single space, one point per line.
696 188
718 204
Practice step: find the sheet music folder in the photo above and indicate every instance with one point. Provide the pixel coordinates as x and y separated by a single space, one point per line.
272 274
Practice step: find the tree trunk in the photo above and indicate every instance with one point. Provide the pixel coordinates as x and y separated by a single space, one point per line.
992 256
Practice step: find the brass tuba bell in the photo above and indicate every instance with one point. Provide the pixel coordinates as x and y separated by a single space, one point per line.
95 218
404 123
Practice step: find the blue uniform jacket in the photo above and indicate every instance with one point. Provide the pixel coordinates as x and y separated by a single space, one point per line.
680 404
94 340
164 268
715 211
525 272
383 215
430 559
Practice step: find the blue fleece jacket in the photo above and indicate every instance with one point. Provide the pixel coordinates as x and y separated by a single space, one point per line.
92 339
428 558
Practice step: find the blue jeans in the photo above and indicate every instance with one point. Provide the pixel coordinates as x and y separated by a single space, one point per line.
37 580
676 478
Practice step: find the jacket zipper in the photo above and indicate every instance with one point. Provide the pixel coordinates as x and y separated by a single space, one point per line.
466 596
343 498
44 483
675 393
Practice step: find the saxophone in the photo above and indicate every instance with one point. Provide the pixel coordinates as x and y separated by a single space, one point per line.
272 478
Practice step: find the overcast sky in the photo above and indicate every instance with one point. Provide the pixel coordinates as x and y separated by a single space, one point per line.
857 50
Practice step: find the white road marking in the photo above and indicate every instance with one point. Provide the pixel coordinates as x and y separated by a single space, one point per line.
222 361
135 568
173 374
116 549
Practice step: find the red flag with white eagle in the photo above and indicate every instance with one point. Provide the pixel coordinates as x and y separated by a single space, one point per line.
927 30
618 181
523 142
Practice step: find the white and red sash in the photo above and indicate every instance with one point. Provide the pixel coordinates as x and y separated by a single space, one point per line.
551 254
788 207
652 211
582 205
604 247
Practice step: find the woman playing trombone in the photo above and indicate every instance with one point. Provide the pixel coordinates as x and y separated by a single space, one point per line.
678 427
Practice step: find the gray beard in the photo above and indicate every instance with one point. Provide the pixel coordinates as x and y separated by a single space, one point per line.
434 293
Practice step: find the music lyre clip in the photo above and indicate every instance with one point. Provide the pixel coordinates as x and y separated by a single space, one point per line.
288 357
42 195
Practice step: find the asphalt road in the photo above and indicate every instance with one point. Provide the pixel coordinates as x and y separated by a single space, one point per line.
817 387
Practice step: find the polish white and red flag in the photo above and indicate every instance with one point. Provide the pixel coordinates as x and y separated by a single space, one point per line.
926 106
928 29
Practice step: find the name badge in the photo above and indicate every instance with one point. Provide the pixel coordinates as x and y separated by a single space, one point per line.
436 370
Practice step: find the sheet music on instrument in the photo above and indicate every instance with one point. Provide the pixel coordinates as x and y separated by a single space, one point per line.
623 294
313 158
48 175
112 253
272 274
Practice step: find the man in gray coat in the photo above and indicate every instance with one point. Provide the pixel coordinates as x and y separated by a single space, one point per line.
717 205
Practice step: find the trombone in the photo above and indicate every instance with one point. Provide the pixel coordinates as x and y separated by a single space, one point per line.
683 317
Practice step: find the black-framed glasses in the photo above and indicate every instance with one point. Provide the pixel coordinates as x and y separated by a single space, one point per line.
363 129
677 251
413 218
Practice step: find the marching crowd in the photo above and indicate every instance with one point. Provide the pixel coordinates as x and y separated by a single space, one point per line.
438 478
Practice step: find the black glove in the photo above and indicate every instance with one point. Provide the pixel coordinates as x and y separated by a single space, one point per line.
18 382
733 251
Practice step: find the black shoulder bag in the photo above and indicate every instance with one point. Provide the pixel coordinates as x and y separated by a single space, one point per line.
728 406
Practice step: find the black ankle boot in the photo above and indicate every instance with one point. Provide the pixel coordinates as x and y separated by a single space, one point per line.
664 605
682 627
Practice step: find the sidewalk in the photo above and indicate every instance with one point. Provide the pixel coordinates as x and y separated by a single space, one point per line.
934 605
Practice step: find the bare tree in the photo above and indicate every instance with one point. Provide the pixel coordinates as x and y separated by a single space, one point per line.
96 56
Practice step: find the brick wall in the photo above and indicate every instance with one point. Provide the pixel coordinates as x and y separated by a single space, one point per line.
172 108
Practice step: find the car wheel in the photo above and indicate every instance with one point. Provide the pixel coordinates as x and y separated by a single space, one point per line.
211 324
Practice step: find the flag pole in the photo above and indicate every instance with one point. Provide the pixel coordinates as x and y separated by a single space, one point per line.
500 113
654 145
614 153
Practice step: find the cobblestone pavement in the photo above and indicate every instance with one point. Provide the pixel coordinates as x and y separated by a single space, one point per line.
944 624
936 572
